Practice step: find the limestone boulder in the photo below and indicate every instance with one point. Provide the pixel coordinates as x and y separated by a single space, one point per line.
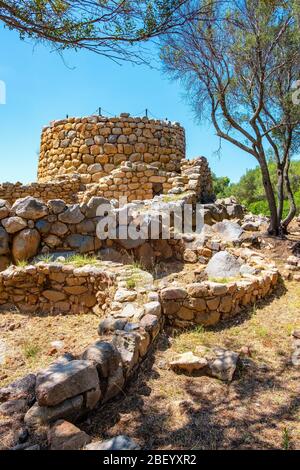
23 388
37 417
223 366
188 362
94 206
228 231
128 346
26 244
63 380
222 265
29 208
81 243
105 356
56 206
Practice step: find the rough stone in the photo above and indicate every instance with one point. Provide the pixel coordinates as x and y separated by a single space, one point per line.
65 436
29 208
105 356
223 265
188 362
72 215
14 224
61 381
26 244
4 242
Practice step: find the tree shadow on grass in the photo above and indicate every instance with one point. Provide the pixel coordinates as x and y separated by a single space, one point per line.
206 414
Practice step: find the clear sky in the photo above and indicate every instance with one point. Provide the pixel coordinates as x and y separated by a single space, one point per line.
41 86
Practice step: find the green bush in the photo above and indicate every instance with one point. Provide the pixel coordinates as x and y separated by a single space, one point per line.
250 191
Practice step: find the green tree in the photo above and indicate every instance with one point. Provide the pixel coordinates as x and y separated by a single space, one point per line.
221 186
108 27
239 67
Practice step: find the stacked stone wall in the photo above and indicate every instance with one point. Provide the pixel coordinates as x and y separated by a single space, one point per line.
94 146
63 188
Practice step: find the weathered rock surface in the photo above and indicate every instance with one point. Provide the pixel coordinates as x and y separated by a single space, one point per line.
72 215
29 208
4 242
40 416
14 224
228 231
64 380
224 365
188 362
26 244
65 436
222 265
23 388
105 356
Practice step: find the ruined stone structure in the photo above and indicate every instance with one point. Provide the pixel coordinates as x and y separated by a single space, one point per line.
86 163
94 146
113 157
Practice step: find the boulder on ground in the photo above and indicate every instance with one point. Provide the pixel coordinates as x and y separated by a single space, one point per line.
23 388
188 362
224 365
222 265
63 380
65 436
228 231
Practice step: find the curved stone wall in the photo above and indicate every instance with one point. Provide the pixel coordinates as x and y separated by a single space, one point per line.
207 303
95 145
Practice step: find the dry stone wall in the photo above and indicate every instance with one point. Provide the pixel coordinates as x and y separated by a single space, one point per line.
55 288
96 145
206 303
62 188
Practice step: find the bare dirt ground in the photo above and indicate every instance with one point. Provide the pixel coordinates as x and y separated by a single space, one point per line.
260 409
27 340
160 409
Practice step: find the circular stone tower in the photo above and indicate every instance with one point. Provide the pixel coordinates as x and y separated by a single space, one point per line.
94 146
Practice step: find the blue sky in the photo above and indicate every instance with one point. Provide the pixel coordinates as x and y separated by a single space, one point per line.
41 86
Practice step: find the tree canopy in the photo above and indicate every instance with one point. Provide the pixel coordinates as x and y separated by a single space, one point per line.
107 27
239 66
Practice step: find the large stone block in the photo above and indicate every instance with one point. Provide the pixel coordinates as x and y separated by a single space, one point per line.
64 380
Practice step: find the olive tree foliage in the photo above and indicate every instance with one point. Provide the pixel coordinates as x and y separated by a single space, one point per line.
108 27
239 68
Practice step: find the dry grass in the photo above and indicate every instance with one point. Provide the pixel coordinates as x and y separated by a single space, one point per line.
28 340
260 409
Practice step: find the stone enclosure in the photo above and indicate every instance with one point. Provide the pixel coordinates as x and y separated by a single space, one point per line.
85 163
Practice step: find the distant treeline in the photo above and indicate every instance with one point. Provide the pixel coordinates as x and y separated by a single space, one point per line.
250 192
